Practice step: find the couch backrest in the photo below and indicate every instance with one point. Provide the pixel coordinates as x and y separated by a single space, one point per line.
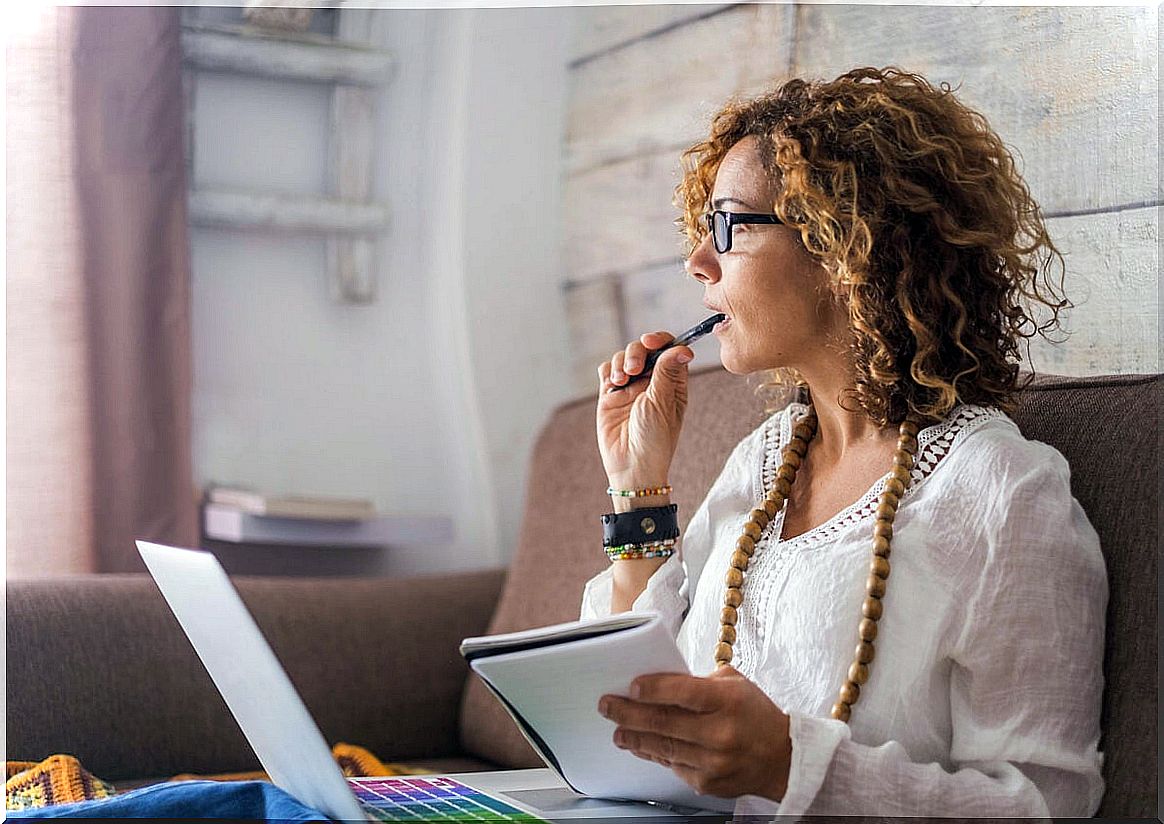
99 668
1106 427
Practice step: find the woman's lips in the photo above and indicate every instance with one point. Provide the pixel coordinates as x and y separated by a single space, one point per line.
723 324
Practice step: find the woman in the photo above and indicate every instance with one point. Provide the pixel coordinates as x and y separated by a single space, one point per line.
871 241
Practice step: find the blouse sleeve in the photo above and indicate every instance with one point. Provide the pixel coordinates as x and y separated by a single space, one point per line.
665 594
669 589
1026 679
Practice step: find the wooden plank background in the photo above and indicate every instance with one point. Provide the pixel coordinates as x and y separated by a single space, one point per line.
1074 91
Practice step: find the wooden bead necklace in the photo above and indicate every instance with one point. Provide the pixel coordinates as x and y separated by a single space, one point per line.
775 500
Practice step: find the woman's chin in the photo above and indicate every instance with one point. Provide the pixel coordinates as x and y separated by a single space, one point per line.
731 363
736 365
732 360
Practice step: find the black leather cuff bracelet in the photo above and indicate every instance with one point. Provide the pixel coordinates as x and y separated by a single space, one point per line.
638 526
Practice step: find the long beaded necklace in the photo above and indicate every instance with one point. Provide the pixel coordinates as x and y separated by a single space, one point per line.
895 487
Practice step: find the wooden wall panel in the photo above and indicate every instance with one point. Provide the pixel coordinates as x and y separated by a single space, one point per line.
607 313
600 28
660 93
1073 89
662 297
594 314
620 217
1112 275
1113 278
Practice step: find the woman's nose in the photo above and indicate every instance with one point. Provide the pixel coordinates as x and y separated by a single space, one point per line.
703 263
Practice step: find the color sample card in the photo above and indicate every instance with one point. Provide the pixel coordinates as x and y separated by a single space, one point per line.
413 798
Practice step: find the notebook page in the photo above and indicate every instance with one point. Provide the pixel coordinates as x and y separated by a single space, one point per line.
556 690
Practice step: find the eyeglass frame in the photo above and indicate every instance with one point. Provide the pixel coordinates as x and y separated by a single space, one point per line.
732 219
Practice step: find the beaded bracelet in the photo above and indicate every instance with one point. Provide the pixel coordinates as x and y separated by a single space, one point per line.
631 552
638 556
639 493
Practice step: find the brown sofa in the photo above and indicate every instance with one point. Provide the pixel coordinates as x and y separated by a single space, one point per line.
99 668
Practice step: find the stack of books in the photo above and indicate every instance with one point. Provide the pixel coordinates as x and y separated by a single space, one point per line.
291 506
240 515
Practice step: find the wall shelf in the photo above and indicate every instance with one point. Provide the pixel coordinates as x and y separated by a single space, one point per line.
346 215
293 213
250 50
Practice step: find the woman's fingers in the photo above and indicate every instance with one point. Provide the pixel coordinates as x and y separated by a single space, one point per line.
637 351
657 339
667 751
604 376
656 719
721 734
617 375
686 691
635 358
631 361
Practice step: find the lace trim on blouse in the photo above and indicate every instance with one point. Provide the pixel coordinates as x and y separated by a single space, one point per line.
934 443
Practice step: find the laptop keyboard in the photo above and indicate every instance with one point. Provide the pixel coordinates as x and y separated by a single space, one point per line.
415 798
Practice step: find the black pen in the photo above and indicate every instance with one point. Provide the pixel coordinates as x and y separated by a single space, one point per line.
690 336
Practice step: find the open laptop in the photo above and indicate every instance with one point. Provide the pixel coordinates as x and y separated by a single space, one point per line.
291 748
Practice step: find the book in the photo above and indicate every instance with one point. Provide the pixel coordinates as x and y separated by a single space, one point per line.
550 680
227 523
291 506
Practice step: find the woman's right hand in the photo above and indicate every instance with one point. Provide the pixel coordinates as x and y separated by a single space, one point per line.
638 425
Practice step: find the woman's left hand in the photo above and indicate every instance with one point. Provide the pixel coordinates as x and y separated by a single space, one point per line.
720 734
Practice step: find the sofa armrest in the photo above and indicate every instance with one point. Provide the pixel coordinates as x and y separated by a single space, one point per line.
98 667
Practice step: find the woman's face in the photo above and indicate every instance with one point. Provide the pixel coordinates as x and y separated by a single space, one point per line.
776 296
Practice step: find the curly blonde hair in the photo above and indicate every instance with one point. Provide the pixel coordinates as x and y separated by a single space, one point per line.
914 207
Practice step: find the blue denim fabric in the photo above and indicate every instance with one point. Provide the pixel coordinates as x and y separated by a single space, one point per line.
255 800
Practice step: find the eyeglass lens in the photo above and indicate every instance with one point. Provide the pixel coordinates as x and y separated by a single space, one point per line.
721 231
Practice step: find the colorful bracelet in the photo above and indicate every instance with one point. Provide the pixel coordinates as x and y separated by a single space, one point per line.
639 493
651 549
636 556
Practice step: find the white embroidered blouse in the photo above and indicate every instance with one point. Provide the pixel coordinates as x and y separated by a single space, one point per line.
983 699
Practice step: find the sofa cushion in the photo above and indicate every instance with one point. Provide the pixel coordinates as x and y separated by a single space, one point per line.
1106 427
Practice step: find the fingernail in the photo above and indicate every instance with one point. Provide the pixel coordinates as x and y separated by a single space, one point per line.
604 706
683 357
635 691
619 738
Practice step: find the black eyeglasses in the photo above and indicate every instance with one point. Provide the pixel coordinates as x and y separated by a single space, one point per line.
720 223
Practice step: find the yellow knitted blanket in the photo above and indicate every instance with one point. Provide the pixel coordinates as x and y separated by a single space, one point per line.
60 779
